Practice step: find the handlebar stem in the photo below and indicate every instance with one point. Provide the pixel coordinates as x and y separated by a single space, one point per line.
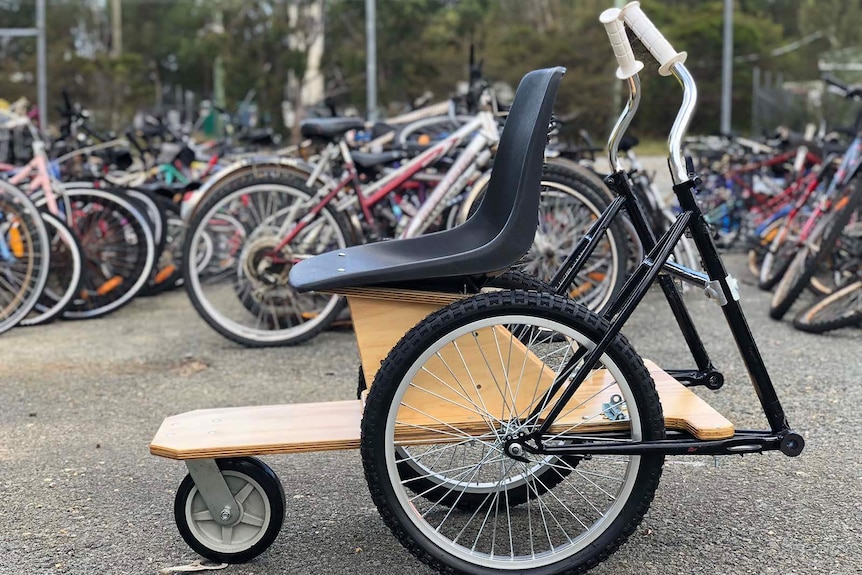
679 171
623 122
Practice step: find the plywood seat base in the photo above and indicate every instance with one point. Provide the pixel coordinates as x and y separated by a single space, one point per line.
298 428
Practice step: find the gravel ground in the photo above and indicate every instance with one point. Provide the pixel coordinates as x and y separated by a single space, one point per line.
79 403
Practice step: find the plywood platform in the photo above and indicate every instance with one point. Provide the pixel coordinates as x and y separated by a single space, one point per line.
297 428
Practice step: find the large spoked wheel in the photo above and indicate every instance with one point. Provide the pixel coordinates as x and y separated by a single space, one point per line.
781 243
236 272
432 484
117 247
816 251
64 275
24 256
260 496
457 388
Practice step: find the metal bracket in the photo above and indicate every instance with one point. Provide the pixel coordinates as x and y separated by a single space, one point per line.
614 410
714 292
214 490
734 287
710 377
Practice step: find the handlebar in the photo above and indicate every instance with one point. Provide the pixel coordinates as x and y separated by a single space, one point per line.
670 62
628 70
620 43
837 87
651 38
846 91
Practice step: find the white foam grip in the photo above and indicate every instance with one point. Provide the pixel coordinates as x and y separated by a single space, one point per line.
620 42
650 36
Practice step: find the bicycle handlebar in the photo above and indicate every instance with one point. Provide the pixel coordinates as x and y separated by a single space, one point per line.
842 89
670 62
651 38
628 71
620 42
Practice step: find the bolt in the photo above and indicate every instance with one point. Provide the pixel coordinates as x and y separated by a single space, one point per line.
516 450
225 513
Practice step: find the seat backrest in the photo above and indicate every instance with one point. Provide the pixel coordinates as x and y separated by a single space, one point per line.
511 202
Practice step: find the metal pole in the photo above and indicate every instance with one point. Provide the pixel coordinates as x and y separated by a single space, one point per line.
727 67
218 74
116 28
755 94
41 66
371 58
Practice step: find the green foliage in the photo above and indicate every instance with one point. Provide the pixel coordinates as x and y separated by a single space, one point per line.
422 45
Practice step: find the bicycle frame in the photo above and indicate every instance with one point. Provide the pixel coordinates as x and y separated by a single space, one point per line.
41 180
730 214
716 282
850 165
485 134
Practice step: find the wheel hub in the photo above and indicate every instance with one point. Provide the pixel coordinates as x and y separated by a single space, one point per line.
263 265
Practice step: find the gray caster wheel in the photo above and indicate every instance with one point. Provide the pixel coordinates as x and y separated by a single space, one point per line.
260 498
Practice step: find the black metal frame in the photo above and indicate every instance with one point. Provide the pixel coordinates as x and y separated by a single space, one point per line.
779 437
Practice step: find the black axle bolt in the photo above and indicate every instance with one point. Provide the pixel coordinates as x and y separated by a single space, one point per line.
792 444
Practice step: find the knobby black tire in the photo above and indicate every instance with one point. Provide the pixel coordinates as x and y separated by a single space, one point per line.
478 307
777 265
805 264
821 316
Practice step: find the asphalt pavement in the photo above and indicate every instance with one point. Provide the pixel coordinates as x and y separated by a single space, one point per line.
79 403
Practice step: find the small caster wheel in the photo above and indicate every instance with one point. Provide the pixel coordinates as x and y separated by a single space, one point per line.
260 496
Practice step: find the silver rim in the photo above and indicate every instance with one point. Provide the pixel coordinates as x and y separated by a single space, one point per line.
562 222
21 281
225 249
554 523
255 515
54 301
150 256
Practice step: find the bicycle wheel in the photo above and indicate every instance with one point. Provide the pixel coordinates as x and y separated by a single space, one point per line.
235 279
842 264
425 481
567 208
816 250
841 309
118 249
427 131
780 253
24 256
168 270
457 387
64 274
509 280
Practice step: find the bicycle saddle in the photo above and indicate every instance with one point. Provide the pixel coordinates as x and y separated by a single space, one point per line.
371 159
498 234
329 128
